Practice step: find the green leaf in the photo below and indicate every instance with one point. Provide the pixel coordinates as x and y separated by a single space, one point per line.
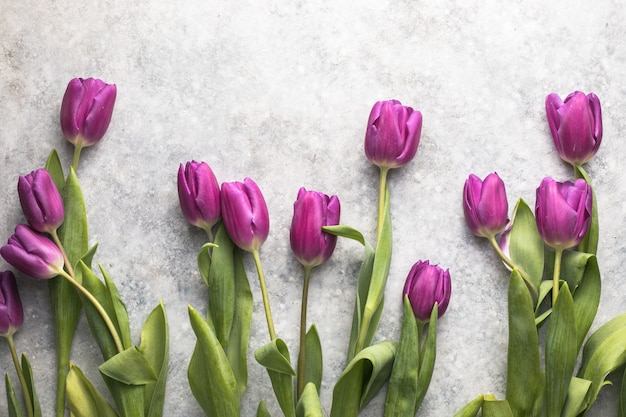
561 351
274 356
13 404
118 315
586 300
129 367
221 282
262 411
66 304
155 348
84 399
204 261
237 349
576 397
526 246
309 403
55 168
30 385
210 376
495 408
402 391
590 241
314 359
523 373
428 356
472 408
604 352
364 376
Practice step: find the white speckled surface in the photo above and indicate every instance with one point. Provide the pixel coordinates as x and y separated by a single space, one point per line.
280 91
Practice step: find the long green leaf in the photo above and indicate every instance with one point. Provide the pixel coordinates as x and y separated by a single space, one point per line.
66 304
561 351
526 246
523 375
155 348
427 360
210 376
575 402
84 399
314 359
590 241
30 385
118 314
13 404
364 376
586 300
237 349
221 282
309 403
402 391
55 168
274 356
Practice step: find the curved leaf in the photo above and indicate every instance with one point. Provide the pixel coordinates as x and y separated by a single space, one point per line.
561 351
526 247
274 356
210 376
496 408
472 408
587 299
364 376
590 241
221 282
83 398
309 403
129 367
523 375
314 360
428 356
155 348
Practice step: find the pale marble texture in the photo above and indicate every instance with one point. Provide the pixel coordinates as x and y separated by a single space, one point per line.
280 91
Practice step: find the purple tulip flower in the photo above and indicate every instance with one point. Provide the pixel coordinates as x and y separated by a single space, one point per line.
86 110
312 211
393 134
41 201
32 253
199 194
11 312
576 125
426 285
245 214
563 212
485 205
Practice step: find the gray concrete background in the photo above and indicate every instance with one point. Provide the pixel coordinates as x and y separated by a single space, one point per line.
280 91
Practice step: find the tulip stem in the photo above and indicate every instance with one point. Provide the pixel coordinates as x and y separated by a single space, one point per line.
96 304
558 254
508 262
77 149
266 300
381 202
302 353
28 402
66 260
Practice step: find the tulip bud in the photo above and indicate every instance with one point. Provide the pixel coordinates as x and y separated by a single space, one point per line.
32 253
485 205
426 285
563 212
245 214
199 194
312 211
576 125
86 110
41 202
11 313
393 134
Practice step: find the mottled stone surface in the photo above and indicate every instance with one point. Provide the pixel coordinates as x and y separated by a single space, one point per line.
280 91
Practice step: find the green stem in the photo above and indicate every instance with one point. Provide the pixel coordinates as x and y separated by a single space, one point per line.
96 304
508 262
28 401
382 189
558 254
68 264
77 149
302 353
266 300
